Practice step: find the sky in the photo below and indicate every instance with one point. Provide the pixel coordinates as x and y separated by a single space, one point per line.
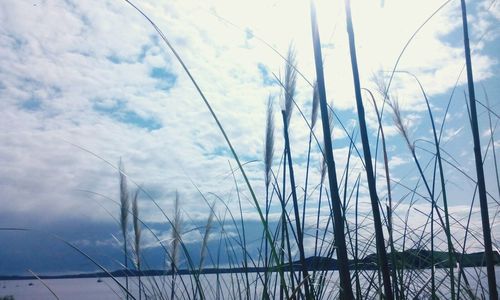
84 84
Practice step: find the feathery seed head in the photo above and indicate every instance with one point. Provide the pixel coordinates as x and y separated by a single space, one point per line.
290 83
315 103
323 169
137 227
381 84
124 200
330 119
176 231
269 142
400 124
206 236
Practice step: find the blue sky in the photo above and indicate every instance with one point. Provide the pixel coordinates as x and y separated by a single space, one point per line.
95 74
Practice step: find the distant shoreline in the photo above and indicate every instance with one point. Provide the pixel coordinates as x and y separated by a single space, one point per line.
410 259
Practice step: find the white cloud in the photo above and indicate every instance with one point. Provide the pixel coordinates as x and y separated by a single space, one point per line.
62 59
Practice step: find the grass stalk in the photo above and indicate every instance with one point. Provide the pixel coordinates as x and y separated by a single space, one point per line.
356 245
483 201
314 117
380 242
284 232
345 278
492 141
44 284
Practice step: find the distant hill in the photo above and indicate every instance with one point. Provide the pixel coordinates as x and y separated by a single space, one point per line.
422 259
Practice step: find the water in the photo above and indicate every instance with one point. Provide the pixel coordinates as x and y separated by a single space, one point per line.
82 288
231 286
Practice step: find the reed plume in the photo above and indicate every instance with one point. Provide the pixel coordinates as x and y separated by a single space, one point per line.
268 161
400 124
204 246
124 208
137 237
269 142
206 235
290 83
174 245
315 105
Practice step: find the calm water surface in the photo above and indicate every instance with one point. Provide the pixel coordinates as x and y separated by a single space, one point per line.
90 288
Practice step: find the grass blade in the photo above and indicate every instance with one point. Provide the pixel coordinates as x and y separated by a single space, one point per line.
483 201
380 242
345 278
